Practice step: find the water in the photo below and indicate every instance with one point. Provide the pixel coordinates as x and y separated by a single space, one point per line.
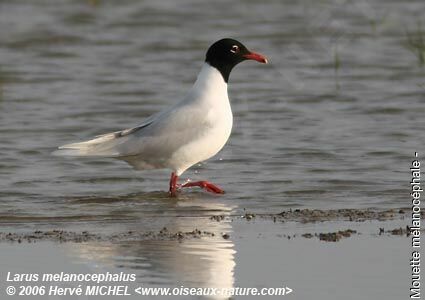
333 120
313 269
261 258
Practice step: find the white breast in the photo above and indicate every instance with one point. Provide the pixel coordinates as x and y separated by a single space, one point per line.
214 118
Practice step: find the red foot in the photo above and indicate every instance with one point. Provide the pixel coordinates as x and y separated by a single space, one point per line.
208 186
205 185
173 185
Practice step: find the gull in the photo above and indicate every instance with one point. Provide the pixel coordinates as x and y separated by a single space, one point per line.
182 135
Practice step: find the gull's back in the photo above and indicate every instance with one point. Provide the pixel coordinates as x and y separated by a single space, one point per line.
188 132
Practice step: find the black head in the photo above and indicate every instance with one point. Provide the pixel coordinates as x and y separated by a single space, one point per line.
227 53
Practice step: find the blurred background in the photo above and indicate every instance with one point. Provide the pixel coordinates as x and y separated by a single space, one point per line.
333 120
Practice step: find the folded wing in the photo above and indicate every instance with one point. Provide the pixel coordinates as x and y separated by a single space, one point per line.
105 145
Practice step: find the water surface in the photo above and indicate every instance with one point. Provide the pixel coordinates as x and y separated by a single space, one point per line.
332 122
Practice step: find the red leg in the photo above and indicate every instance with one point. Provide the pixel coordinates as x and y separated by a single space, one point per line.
205 185
173 185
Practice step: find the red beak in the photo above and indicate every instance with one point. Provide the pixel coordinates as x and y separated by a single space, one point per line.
256 56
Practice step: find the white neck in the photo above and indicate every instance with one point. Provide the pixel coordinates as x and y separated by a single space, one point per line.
209 82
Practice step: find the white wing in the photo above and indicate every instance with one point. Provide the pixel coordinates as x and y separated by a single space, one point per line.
160 134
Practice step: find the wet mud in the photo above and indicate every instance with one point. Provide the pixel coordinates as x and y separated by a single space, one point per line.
297 215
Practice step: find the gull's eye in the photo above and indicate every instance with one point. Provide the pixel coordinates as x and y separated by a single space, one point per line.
235 49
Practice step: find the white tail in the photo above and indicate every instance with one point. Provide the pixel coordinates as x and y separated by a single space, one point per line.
103 145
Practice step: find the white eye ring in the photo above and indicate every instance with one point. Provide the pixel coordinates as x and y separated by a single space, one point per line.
235 49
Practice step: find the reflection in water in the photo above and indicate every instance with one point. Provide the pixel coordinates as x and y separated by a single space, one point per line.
206 262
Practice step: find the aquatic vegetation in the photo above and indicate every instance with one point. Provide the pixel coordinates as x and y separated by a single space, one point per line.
416 43
337 65
377 22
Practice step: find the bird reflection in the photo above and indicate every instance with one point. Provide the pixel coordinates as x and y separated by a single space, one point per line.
206 262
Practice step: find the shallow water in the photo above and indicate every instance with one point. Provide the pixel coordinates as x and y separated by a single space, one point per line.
303 135
256 255
333 120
